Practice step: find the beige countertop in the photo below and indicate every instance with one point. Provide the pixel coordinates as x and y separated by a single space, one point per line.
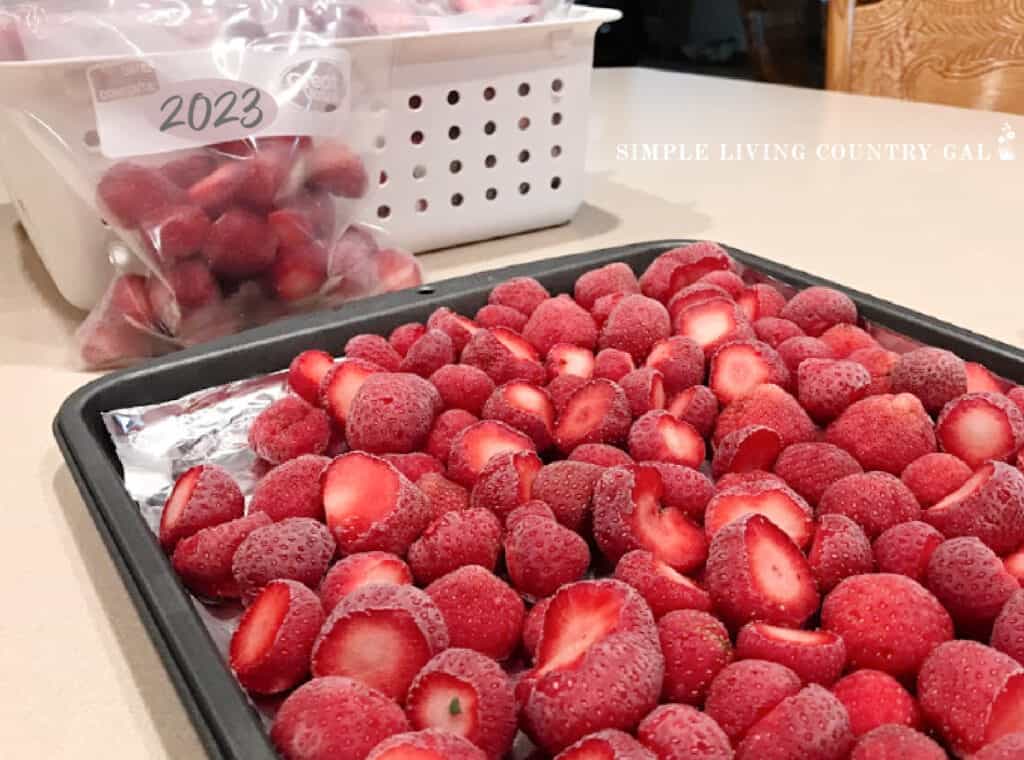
81 678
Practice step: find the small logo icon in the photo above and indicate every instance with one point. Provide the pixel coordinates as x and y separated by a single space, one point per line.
1006 138
315 85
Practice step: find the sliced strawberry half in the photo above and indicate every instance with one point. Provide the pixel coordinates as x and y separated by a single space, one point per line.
660 436
1014 564
474 446
754 447
203 496
990 506
214 192
525 407
694 294
737 368
341 383
292 226
980 426
446 703
597 413
697 260
607 745
358 570
815 656
459 328
1006 716
628 515
306 374
516 344
980 380
568 359
713 323
780 504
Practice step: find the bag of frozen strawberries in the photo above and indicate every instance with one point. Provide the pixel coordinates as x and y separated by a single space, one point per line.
228 147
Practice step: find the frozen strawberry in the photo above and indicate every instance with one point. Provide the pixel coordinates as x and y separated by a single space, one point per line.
728 281
750 448
757 478
442 494
810 468
679 360
978 427
613 364
561 389
755 572
604 306
340 384
122 327
298 272
713 323
447 425
810 724
795 351
464 693
291 490
698 406
203 560
567 488
371 506
292 227
1010 747
218 190
611 278
473 447
971 583
876 501
815 656
695 261
270 649
826 387
629 514
524 407
542 556
888 622
504 355
127 192
523 294
532 508
694 294
739 367
600 454
816 309
560 320
287 429
482 612
179 290
906 548
430 354
659 436
381 635
358 570
840 549
306 725
846 338
459 328
505 482
297 548
1008 629
493 315
404 336
656 281
980 380
990 506
189 169
644 389
240 244
761 300
463 387
1014 564
426 745
567 359
392 413
635 325
879 362
775 330
607 745
964 690
373 349
453 540
533 626
175 232
745 691
397 270
684 488
780 504
306 373
933 375
334 167
696 647
597 413
317 209
896 742
771 406
678 732
664 589
352 264
873 698
414 465
1016 395
933 477
203 496
885 432
599 638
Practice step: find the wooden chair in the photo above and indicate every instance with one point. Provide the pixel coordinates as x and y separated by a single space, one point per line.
957 52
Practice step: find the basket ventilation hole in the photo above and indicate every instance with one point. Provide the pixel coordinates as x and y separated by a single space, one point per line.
556 182
524 123
454 132
489 93
556 151
490 128
457 199
491 161
419 171
383 212
415 102
422 205
455 166
491 194
381 142
524 188
453 97
556 118
383 178
524 89
91 139
416 137
557 85
524 156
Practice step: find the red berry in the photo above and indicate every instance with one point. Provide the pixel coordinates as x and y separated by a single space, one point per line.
771 406
336 168
895 742
739 367
816 309
845 338
933 477
202 497
289 428
532 508
611 278
542 556
990 506
494 315
560 320
775 330
391 414
840 549
291 490
664 589
426 745
810 468
203 560
298 272
879 362
430 354
933 375
175 232
659 436
523 294
446 427
697 293
980 380
561 389
745 691
404 336
795 351
459 328
644 389
455 539
607 745
826 388
603 306
442 494
728 281
783 506
505 482
678 732
810 724
635 325
713 323
189 169
681 266
761 300
600 454
698 406
373 349
596 413
873 698
906 548
750 448
567 359
473 447
341 383
613 364
884 432
482 612
533 626
971 583
1008 629
504 355
240 244
306 373
815 656
463 387
567 488
524 407
298 549
415 465
696 647
679 360
358 570
978 427
127 192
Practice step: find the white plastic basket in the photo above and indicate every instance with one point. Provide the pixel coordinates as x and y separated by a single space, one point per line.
485 135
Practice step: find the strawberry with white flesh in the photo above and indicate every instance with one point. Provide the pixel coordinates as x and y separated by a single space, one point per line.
270 649
504 355
203 496
599 638
780 504
739 367
644 389
616 277
371 506
977 427
298 271
713 323
816 656
698 406
426 745
465 693
755 572
334 167
990 506
203 560
505 482
597 413
694 294
473 447
524 407
980 380
754 447
629 514
607 745
760 301
459 328
381 635
663 588
695 260
659 436
1014 564
681 732
358 570
306 374
569 359
340 384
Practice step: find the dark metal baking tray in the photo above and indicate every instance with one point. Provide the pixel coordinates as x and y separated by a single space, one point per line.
223 717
